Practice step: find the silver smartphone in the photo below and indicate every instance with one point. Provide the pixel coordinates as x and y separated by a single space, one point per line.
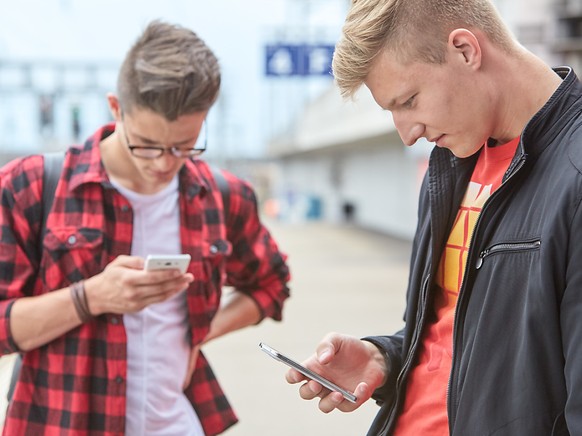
307 372
167 261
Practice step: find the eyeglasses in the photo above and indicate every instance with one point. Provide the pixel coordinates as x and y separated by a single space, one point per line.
155 151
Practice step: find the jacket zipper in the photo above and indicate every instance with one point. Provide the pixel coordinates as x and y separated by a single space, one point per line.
405 366
414 343
509 246
452 401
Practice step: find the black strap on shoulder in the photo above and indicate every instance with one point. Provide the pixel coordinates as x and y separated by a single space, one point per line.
53 166
222 184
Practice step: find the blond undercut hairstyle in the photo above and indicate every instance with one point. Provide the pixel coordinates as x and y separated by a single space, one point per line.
170 71
413 30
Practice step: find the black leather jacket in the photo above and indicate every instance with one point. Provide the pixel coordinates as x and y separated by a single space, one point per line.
517 344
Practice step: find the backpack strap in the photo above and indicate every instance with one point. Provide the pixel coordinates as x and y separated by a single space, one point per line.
53 167
222 184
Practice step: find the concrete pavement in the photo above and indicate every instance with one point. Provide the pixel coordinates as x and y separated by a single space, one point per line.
344 279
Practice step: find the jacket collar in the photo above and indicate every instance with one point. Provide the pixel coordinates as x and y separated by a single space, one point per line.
550 120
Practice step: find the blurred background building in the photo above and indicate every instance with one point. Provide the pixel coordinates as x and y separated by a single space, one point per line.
279 122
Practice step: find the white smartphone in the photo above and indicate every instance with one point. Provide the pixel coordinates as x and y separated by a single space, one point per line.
307 372
167 261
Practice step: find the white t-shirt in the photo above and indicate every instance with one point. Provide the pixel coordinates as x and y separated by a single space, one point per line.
158 348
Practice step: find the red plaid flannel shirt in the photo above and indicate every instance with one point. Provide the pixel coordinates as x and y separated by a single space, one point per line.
76 383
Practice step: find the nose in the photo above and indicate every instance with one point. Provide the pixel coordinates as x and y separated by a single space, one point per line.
166 161
409 130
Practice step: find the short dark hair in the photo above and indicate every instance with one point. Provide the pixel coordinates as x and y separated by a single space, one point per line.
170 71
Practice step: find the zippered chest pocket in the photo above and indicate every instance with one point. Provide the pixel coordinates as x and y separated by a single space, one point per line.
507 247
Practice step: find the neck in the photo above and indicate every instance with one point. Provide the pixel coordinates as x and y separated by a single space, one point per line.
526 83
114 161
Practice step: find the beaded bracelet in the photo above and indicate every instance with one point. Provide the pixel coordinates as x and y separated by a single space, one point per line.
79 297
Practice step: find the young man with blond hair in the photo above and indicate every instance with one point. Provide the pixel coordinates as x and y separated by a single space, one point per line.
493 321
108 347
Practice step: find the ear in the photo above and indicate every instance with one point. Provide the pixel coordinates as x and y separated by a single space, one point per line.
114 106
464 46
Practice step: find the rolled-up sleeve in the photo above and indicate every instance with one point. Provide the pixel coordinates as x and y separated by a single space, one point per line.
20 215
256 266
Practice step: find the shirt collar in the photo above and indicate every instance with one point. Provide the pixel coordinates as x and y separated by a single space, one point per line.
87 166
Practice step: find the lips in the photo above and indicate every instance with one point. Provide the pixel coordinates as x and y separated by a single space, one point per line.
162 175
436 139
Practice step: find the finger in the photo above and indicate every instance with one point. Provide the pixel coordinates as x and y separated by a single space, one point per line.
327 348
362 393
157 297
311 390
173 284
331 402
134 262
151 294
166 275
293 376
325 353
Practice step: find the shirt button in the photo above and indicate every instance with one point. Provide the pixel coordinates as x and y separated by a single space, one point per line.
125 208
118 379
72 240
114 320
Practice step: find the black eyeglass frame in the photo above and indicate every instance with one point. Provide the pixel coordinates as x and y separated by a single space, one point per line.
175 151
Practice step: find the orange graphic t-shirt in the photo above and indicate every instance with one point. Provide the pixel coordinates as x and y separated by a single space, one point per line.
425 404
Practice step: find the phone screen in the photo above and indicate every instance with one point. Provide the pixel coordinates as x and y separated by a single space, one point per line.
307 372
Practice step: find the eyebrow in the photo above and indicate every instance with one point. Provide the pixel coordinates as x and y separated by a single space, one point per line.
393 103
143 139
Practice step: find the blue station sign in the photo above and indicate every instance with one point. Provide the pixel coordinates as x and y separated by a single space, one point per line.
288 60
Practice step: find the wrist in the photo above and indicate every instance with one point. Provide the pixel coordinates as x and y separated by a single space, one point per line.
378 356
79 297
92 304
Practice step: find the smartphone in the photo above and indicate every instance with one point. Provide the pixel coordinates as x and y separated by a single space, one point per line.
167 261
307 372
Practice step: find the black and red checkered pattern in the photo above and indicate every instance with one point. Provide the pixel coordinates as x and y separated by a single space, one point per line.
76 384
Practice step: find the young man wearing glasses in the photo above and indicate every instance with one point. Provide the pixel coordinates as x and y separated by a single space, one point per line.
108 347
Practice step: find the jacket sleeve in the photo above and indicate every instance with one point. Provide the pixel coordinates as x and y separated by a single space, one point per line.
255 266
20 211
571 324
391 347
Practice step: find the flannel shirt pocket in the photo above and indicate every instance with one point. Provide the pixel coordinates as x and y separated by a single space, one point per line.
71 254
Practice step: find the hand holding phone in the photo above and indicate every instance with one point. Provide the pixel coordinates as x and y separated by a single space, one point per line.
307 372
167 261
